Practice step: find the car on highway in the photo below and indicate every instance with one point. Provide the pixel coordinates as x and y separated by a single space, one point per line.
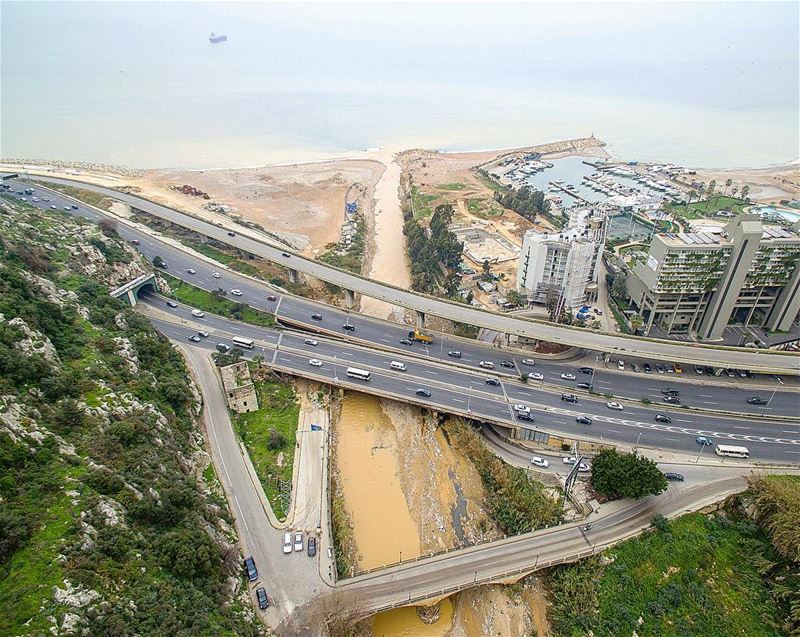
647 368
586 370
316 317
423 392
216 275
454 353
536 376
263 600
405 341
493 382
194 338
135 242
540 462
298 541
312 546
672 400
569 398
757 400
398 365
311 341
568 376
528 417
522 409
585 385
528 362
507 364
583 467
569 460
222 348
231 234
172 304
236 292
67 208
486 364
620 364
191 270
670 391
51 207
198 313
347 327
613 405
663 418
271 297
287 542
74 207
203 334
315 362
704 441
250 569
583 420
674 477
285 254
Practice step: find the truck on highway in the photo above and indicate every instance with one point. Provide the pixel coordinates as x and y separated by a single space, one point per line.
29 191
422 337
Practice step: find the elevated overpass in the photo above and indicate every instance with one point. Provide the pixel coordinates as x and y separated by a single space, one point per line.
272 250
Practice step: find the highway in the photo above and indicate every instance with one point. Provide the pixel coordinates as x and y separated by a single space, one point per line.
697 391
465 392
623 345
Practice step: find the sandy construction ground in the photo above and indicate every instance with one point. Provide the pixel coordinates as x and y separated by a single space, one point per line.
768 185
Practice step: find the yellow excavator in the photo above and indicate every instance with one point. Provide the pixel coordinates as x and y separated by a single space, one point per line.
422 337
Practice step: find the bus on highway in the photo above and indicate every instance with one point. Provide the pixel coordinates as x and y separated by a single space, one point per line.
361 374
243 342
732 451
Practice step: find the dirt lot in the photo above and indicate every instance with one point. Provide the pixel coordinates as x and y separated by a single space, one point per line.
767 185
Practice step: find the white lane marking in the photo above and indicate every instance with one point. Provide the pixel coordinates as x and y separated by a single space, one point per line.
458 400
705 402
616 431
674 439
682 420
706 396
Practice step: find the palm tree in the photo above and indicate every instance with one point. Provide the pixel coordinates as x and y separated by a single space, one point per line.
636 322
711 186
745 191
728 183
734 191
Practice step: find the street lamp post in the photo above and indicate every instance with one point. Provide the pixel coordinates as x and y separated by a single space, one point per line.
335 377
697 459
780 383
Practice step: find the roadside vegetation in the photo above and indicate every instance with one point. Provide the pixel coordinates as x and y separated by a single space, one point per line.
349 257
434 259
269 434
216 303
527 202
626 475
421 203
92 198
106 524
515 500
706 208
735 572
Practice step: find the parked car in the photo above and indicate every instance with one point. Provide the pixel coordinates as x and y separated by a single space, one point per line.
757 400
536 376
678 369
250 569
568 376
569 398
620 364
454 353
586 370
704 441
236 292
635 367
423 392
730 373
493 381
311 545
540 462
172 304
287 542
315 362
486 364
663 418
670 369
263 600
675 477
659 368
311 341
613 405
698 370
583 420
316 317
298 541
647 368
528 362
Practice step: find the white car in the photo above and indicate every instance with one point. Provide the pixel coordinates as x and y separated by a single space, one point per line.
529 362
583 467
216 275
311 341
287 542
522 409
540 462
191 270
236 292
486 364
315 362
620 364
298 541
51 207
198 313
536 376
616 406
568 376
570 460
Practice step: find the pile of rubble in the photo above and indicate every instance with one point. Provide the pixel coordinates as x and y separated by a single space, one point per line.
186 189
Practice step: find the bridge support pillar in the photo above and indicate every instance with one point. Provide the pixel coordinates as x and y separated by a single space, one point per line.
293 276
349 299
420 319
132 297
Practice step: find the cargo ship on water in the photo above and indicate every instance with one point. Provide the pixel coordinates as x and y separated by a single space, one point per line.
216 39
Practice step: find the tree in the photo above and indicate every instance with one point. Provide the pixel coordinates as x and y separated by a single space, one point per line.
514 298
108 227
728 183
710 192
745 192
636 322
626 475
275 439
618 287
734 191
486 268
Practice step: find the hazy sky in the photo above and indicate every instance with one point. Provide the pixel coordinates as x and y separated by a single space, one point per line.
336 76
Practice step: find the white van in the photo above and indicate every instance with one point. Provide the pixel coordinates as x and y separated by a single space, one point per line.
398 365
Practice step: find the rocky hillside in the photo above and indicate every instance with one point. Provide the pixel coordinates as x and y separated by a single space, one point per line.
111 520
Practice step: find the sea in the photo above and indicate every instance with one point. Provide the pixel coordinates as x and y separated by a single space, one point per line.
139 84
